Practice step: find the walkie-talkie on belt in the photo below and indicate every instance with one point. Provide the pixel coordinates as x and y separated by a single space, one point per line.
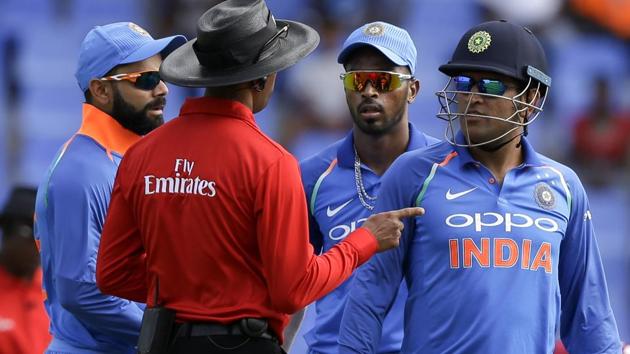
157 327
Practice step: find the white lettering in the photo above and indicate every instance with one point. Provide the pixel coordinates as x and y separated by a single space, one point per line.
190 164
335 235
177 185
468 220
177 163
342 231
509 221
187 166
552 226
162 185
202 185
189 187
498 220
211 190
147 184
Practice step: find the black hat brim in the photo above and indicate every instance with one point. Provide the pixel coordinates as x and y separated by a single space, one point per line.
182 67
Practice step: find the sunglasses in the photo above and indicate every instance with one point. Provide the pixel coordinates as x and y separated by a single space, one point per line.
493 87
282 33
382 81
145 80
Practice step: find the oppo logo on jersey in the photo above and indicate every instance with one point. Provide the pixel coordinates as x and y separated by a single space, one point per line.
508 221
179 184
340 232
506 253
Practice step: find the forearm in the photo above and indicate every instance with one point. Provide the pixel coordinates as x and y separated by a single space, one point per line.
110 315
322 274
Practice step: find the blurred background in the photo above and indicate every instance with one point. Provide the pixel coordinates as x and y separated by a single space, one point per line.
586 123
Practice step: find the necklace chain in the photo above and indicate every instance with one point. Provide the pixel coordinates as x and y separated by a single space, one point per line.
364 197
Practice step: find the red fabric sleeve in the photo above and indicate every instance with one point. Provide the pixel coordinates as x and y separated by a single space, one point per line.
121 263
294 275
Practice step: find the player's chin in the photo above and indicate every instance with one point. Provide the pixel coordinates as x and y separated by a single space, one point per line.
155 120
478 136
373 127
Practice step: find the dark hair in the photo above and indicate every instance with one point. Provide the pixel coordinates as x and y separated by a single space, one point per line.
88 96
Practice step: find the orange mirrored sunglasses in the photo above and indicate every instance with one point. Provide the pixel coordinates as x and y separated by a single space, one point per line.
383 81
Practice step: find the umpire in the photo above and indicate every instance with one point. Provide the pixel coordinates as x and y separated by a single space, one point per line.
208 217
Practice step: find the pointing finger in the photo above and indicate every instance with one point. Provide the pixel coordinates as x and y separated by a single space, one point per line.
407 212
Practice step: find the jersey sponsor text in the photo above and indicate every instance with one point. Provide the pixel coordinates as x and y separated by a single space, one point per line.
179 184
506 253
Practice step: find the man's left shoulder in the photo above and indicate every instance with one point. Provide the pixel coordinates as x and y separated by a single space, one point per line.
312 167
565 171
430 139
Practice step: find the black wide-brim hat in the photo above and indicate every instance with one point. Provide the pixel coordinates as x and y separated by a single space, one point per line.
238 41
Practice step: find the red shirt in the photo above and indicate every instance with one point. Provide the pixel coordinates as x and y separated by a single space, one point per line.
23 319
609 143
220 211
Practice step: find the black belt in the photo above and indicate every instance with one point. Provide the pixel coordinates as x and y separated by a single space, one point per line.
215 329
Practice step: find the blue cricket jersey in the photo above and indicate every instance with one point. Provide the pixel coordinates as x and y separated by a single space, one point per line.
334 212
70 212
490 268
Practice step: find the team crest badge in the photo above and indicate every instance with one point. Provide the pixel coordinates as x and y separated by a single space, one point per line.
544 196
479 42
374 29
138 29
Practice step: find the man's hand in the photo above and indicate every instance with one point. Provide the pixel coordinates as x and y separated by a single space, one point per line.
387 227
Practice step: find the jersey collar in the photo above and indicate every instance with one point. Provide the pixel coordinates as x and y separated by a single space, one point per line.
106 131
217 107
345 153
530 155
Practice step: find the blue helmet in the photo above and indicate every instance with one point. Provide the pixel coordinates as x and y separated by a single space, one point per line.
503 48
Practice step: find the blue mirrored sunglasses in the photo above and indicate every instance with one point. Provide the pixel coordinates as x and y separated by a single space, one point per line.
490 86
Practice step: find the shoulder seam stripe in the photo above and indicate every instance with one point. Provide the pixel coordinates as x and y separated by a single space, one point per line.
54 166
318 184
427 180
565 186
448 158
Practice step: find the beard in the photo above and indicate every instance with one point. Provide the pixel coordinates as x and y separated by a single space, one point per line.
138 121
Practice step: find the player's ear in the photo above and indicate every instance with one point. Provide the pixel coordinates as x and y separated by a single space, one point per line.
532 96
259 84
414 88
101 91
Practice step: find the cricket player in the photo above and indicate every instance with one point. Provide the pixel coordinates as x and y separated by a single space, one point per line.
125 97
342 181
506 255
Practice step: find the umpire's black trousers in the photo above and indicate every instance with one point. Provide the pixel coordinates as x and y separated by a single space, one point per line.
224 344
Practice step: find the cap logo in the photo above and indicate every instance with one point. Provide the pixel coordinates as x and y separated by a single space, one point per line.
375 29
544 196
138 29
479 42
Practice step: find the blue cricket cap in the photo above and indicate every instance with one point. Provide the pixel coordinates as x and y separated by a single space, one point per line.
394 42
105 47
